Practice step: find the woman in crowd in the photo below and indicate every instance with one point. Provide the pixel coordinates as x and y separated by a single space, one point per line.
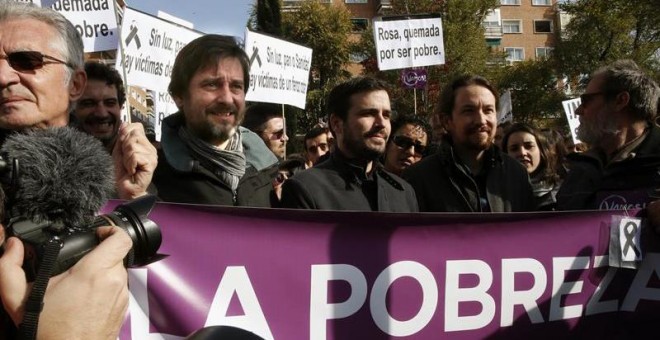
407 143
531 148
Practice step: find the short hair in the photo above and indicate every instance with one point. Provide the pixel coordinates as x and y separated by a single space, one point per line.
258 114
203 52
413 120
547 169
339 99
292 165
70 43
448 95
315 132
102 72
625 75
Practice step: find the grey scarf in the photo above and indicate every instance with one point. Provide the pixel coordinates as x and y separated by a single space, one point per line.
227 164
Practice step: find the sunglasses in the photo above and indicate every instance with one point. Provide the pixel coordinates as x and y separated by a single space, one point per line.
406 143
587 97
31 60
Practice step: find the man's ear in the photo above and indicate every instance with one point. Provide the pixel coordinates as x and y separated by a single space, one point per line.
446 121
177 100
77 84
622 100
336 125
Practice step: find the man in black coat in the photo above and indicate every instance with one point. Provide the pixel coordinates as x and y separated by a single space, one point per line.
469 173
621 170
352 178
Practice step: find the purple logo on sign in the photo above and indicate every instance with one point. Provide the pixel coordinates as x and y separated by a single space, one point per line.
413 79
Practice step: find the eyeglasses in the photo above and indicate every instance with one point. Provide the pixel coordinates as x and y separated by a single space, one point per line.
406 143
587 97
31 60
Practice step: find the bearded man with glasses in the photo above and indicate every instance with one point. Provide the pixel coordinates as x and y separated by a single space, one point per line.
621 170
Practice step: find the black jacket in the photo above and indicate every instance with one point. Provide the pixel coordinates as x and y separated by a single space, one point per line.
180 178
336 184
441 184
627 184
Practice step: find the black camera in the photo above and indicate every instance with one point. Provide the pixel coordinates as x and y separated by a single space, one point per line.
76 241
52 183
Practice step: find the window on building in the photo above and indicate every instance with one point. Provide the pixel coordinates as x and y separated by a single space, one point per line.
541 2
360 24
510 2
511 26
543 52
515 53
356 1
542 26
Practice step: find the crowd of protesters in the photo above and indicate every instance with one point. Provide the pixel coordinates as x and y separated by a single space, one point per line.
218 150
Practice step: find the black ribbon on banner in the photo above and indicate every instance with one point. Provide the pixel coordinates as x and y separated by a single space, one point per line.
133 36
255 55
630 239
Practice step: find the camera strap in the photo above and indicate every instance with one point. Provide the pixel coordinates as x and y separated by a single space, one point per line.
27 330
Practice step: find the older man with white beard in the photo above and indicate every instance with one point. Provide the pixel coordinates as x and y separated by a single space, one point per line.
622 168
469 173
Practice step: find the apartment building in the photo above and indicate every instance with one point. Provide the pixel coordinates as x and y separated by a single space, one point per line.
523 29
362 11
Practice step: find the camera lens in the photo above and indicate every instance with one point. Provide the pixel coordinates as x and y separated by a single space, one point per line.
132 216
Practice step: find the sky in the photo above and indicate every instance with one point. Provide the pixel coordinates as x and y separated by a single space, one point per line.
209 16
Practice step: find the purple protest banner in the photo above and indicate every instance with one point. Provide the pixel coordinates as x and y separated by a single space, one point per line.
413 78
287 274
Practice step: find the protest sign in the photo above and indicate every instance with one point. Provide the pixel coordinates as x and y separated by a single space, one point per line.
505 109
409 43
36 2
296 274
279 70
94 20
150 46
163 106
573 120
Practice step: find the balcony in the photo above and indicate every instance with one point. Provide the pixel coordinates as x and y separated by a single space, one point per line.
384 6
493 34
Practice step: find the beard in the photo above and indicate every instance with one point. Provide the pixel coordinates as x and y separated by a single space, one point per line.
592 132
213 131
476 141
360 148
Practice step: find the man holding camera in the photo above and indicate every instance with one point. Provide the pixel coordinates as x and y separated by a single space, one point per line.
41 73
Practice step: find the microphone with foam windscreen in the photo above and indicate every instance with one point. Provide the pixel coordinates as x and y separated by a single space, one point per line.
64 176
55 181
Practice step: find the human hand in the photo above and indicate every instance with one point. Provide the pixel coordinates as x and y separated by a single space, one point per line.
88 301
277 184
135 161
